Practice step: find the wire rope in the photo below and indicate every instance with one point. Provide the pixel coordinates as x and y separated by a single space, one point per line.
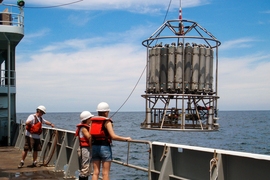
167 11
166 15
55 6
142 71
130 93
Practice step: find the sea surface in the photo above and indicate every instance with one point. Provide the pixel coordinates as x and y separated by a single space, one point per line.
245 131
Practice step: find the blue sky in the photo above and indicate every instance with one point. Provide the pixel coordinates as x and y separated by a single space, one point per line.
73 57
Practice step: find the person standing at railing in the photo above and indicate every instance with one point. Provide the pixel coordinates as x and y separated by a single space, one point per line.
33 126
83 132
102 134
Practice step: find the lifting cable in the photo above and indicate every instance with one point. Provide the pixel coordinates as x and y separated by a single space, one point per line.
167 11
55 6
130 93
165 17
142 72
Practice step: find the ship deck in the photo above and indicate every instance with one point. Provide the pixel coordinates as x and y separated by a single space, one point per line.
9 160
159 160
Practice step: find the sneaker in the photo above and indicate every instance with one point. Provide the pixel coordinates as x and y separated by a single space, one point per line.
21 165
34 164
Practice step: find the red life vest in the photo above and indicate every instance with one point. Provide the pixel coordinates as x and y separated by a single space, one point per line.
98 130
35 128
84 142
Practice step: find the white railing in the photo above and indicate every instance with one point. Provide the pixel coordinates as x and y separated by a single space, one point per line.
11 15
4 78
59 150
158 161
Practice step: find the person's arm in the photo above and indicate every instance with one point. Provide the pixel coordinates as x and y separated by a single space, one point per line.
49 123
86 134
109 127
29 120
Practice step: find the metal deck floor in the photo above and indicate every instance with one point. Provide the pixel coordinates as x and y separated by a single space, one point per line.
10 158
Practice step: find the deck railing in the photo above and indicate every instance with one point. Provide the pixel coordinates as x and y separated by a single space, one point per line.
60 150
4 78
11 15
155 160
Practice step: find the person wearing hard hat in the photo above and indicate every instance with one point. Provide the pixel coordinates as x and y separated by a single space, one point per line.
85 144
33 126
102 134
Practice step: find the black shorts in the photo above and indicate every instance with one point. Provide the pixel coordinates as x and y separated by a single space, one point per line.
32 144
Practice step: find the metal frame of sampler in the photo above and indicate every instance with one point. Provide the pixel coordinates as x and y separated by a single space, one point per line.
181 78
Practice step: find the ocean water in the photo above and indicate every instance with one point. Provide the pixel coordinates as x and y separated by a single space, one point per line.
246 131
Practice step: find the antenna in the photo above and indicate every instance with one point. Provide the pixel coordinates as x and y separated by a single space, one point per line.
180 11
181 26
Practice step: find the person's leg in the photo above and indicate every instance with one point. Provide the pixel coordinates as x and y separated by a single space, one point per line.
36 144
27 147
85 162
35 154
106 166
24 154
96 166
106 152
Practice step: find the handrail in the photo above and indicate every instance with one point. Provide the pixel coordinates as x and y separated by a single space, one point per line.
4 78
166 160
61 150
126 163
12 18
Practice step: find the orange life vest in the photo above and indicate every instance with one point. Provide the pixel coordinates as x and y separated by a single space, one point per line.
84 142
98 131
35 128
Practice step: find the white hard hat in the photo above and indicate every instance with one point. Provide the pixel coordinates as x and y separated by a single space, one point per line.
85 115
42 108
103 107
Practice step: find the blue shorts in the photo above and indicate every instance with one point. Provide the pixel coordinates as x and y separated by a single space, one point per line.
101 153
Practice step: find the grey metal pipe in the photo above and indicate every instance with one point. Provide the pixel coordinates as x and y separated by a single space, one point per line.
9 120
